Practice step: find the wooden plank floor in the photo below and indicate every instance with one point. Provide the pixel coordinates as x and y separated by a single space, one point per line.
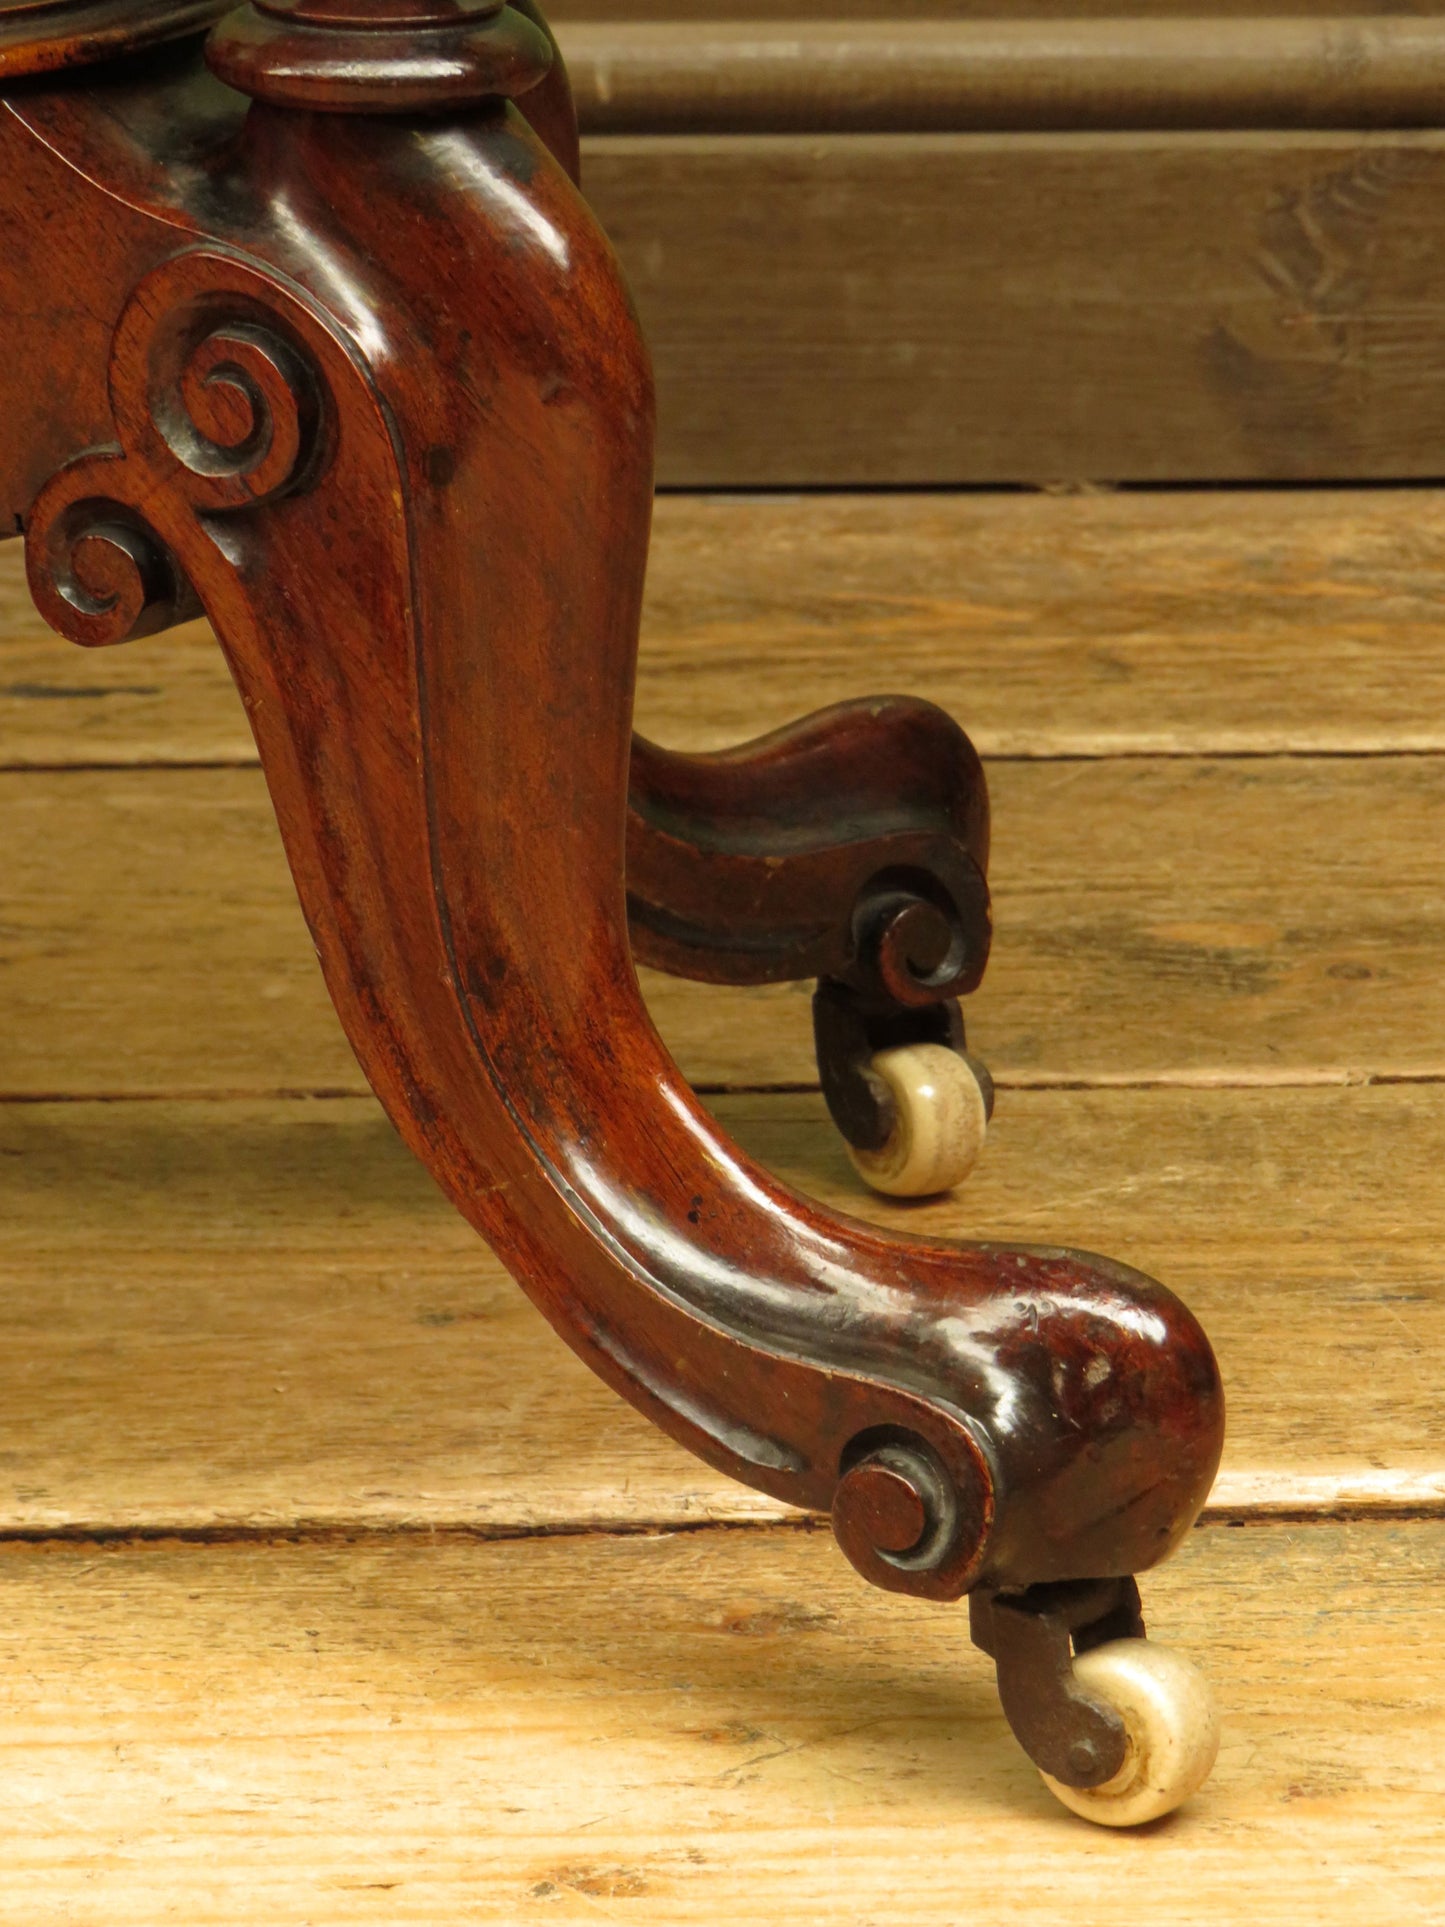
690 1730
337 1591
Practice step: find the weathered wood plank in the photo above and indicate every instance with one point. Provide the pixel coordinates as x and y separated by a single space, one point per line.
165 700
564 12
1057 625
1193 921
1158 623
685 1730
215 1316
867 309
1006 74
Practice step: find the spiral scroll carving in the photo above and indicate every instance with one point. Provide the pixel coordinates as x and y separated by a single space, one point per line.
911 1518
918 943
243 418
220 410
101 575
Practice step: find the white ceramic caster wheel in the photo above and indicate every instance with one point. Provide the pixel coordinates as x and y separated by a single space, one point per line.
941 1122
1173 1731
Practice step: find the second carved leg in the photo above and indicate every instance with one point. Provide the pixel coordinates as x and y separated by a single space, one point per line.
851 848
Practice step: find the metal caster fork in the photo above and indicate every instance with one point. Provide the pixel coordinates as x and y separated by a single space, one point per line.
1122 1731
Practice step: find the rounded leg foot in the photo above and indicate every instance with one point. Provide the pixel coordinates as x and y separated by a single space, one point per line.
1171 1727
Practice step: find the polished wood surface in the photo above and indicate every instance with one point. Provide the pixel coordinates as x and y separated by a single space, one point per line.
228 1319
354 56
53 36
358 376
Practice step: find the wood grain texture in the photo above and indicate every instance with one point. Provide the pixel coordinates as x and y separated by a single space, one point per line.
859 309
563 12
1170 623
1005 75
1157 623
167 700
446 727
1261 921
684 1730
400 1728
45 36
226 1316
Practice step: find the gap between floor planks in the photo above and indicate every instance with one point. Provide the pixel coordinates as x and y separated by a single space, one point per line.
684 1729
1158 624
1191 923
263 1317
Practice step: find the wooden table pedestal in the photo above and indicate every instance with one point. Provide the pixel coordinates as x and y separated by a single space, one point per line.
309 327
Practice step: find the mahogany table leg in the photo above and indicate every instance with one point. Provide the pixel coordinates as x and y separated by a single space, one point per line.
851 847
377 400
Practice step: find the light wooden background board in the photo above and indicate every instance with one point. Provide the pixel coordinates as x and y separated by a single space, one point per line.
809 324
1203 241
1223 269
563 11
1006 74
337 1591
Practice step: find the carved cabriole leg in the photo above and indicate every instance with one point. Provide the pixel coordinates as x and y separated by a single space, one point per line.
400 446
850 847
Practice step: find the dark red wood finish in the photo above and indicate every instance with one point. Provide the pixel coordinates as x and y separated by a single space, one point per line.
354 372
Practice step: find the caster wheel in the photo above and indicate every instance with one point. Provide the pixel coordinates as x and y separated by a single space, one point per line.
1172 1726
942 1121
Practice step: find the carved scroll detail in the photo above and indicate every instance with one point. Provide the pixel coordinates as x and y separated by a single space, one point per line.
98 571
218 408
242 416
